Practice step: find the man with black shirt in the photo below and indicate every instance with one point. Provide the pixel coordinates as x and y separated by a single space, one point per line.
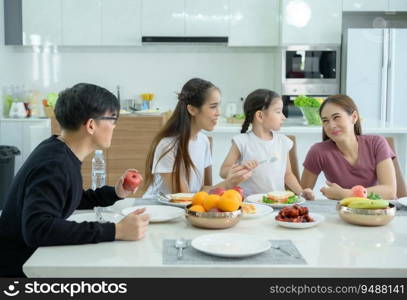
48 187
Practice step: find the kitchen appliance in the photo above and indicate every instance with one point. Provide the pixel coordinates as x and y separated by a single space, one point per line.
376 72
310 70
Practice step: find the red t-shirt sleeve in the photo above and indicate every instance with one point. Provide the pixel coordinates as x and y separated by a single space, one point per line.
313 161
382 149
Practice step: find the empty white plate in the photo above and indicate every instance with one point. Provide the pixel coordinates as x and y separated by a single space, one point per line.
91 217
258 198
230 244
158 213
317 217
402 201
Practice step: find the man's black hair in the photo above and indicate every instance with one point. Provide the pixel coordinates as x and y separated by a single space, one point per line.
82 102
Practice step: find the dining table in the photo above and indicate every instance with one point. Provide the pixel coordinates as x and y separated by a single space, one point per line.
332 248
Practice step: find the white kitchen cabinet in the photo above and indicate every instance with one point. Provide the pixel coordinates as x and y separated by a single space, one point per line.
25 134
397 5
41 20
81 22
308 22
365 5
121 22
207 18
163 18
254 23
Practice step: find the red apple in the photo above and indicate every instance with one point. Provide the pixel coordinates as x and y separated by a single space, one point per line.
132 180
217 191
239 189
359 191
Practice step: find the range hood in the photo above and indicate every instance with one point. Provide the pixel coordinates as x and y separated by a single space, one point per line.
185 39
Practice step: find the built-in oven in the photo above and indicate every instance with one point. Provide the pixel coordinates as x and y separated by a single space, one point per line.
311 71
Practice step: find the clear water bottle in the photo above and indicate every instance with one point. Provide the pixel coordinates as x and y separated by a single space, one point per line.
98 170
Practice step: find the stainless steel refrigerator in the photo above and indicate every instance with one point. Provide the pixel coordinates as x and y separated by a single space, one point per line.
376 74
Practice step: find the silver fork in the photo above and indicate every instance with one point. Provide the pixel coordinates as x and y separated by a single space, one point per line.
180 244
284 251
98 213
271 160
163 195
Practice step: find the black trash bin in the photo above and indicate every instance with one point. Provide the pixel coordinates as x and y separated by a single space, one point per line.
7 154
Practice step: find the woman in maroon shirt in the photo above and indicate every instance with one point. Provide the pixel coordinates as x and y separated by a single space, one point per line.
347 157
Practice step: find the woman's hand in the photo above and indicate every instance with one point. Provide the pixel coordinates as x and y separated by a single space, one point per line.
308 194
250 164
236 175
334 191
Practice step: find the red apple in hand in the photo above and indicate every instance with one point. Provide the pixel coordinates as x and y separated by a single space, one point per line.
359 191
132 180
217 191
239 189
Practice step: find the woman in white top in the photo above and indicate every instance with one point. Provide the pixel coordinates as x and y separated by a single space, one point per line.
180 157
263 149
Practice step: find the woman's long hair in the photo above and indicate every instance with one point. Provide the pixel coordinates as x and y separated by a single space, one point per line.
194 93
348 105
259 99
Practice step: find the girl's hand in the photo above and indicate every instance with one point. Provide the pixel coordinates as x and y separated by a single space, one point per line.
308 194
334 191
250 164
236 175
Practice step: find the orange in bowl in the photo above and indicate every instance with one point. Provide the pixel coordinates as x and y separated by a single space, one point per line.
199 198
229 202
211 202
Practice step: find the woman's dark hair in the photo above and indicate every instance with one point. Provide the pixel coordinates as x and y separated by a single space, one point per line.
259 99
82 102
194 93
348 105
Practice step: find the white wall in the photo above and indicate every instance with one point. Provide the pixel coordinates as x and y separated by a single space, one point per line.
160 69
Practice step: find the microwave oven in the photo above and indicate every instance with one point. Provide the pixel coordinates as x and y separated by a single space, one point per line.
311 70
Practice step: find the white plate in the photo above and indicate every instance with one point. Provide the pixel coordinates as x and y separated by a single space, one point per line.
158 213
91 217
261 210
230 244
317 217
402 201
258 198
169 196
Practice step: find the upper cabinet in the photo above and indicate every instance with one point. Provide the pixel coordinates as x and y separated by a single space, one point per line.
81 22
41 22
365 5
306 22
163 18
190 18
207 18
254 23
374 5
121 22
398 5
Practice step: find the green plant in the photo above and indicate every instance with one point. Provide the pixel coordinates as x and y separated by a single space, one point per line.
304 101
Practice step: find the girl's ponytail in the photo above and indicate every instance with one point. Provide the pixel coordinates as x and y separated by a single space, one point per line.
247 121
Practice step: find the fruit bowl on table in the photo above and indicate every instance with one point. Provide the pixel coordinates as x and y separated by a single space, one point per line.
367 216
213 219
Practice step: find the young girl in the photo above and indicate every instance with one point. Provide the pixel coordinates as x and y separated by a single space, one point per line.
262 149
180 157
347 157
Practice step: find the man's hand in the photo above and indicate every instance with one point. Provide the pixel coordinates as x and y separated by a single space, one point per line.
120 191
308 194
133 226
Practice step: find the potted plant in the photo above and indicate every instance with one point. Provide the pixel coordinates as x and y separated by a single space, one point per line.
309 107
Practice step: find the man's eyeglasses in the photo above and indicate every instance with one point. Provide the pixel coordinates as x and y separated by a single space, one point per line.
114 119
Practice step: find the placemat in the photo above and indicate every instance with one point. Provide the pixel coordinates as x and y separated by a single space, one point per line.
270 257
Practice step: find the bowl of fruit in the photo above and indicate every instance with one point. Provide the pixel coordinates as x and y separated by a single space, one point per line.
215 210
365 210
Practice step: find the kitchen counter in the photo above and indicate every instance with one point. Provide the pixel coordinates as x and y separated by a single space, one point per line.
331 249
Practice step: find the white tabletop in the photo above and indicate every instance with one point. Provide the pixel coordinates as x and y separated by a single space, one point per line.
331 249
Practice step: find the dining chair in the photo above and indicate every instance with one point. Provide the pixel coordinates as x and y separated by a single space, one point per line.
401 183
293 157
